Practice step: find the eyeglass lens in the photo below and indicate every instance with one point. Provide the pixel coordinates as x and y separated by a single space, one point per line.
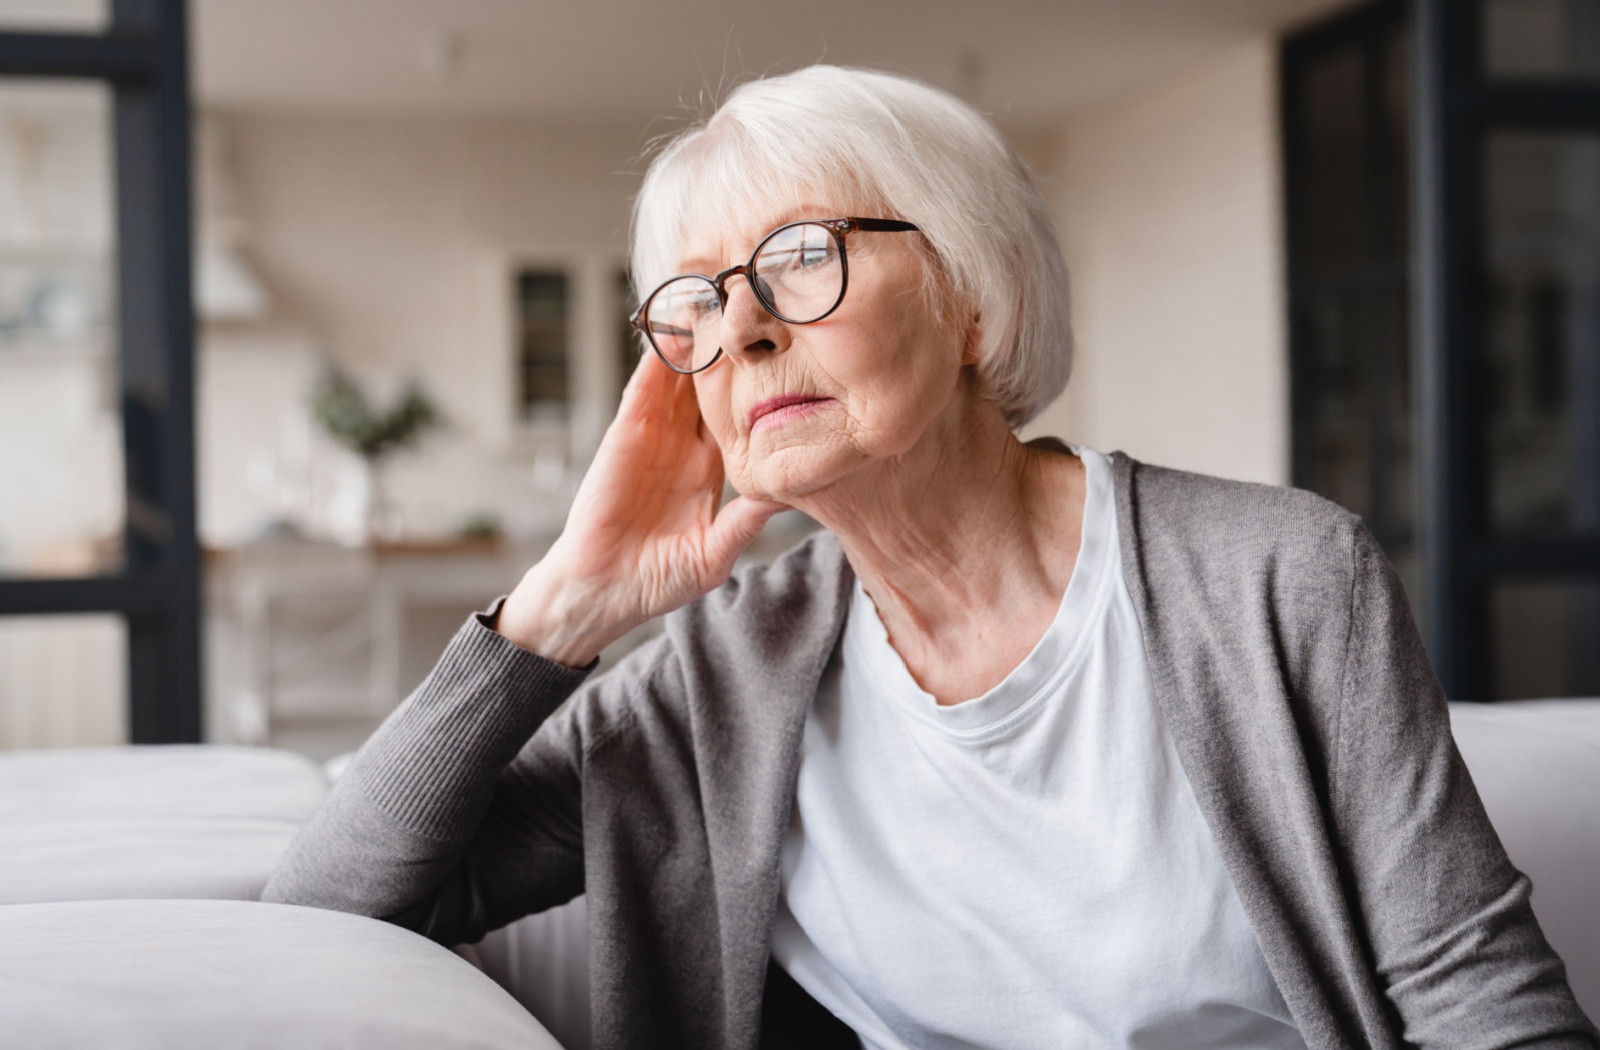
798 274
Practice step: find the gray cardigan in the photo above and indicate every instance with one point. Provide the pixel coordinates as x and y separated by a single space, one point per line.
1284 659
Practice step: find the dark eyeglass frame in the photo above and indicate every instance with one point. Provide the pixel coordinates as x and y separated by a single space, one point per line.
837 228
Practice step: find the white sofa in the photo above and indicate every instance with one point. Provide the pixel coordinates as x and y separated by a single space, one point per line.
129 876
1537 766
203 974
129 917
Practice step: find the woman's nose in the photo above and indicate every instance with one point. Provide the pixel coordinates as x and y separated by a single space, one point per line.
747 328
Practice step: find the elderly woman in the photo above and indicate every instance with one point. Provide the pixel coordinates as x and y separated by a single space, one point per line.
1029 747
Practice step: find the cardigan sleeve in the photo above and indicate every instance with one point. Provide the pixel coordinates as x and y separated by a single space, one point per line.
1448 917
451 821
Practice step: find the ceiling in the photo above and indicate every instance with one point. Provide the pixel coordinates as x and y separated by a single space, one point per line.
1027 62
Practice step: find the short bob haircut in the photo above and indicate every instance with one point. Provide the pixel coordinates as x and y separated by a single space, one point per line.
869 143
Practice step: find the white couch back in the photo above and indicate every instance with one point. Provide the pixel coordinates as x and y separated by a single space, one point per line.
1537 766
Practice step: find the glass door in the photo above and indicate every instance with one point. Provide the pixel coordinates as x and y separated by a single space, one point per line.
99 564
1508 343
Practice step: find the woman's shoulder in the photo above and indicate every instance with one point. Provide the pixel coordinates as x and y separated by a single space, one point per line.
1159 495
1208 516
1190 540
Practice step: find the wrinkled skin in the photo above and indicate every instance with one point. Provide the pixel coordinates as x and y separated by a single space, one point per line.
964 537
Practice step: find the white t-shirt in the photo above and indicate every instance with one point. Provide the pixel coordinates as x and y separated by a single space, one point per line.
1026 869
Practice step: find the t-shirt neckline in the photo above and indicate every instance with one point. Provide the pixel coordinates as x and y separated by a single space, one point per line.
1053 657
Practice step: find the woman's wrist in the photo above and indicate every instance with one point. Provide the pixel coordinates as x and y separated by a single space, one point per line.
545 617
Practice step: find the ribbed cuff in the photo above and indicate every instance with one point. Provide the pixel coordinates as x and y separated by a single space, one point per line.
432 766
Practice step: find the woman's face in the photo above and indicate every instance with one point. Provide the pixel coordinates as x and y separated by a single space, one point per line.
796 408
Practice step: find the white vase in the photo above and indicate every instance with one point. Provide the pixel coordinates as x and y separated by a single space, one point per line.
383 517
350 512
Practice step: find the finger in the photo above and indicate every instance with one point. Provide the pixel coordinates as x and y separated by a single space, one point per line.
735 528
630 388
684 408
645 386
657 393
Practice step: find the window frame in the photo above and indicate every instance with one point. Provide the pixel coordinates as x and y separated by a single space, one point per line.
1457 105
1363 28
143 58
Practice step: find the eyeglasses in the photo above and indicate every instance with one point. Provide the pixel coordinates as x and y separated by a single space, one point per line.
798 273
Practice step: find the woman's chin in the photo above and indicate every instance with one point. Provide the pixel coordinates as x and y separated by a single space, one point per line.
791 474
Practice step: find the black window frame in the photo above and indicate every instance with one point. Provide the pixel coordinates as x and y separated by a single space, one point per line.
143 58
1382 274
1457 104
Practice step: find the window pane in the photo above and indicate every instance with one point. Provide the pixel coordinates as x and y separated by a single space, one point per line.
61 488
1546 639
1338 147
1543 336
63 681
543 310
1542 38
54 16
1348 114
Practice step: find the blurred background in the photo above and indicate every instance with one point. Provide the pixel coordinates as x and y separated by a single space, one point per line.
313 311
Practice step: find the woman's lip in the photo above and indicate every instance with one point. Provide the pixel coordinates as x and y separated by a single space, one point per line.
776 410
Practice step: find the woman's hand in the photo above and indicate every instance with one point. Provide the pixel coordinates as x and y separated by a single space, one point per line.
644 535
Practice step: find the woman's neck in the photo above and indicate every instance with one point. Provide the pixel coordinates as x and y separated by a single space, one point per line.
965 544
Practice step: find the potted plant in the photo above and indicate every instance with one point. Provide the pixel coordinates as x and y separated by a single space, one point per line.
349 417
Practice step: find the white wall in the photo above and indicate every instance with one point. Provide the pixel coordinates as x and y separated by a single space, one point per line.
386 242
1168 204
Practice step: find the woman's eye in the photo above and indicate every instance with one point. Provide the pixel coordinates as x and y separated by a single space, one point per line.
801 259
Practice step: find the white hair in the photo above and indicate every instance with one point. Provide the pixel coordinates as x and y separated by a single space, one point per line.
887 147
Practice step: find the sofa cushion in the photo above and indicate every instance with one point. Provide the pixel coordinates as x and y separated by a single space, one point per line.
1537 766
203 974
543 961
201 821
